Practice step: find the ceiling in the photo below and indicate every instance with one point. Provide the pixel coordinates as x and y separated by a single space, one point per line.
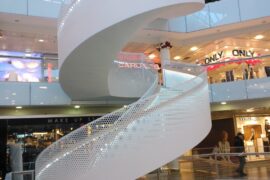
239 35
24 33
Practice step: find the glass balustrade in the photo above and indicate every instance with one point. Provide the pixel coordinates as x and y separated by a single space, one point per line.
41 8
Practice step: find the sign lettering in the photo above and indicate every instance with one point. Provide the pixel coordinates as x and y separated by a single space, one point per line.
218 57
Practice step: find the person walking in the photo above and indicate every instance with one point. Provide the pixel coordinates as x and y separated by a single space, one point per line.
240 148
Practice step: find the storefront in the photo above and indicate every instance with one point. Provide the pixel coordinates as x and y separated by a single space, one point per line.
33 135
256 130
236 64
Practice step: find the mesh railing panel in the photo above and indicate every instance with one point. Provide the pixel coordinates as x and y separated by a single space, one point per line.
139 130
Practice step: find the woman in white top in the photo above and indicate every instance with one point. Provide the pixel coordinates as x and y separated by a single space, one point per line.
224 146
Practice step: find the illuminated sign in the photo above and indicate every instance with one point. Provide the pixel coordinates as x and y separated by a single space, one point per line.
248 118
214 58
137 65
226 55
123 56
135 61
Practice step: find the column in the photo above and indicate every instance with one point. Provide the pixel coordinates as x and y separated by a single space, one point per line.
165 57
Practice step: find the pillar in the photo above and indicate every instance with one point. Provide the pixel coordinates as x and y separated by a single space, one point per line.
165 57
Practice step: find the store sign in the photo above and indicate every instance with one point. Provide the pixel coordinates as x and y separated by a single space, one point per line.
242 53
137 65
247 118
71 120
214 58
124 56
135 61
223 55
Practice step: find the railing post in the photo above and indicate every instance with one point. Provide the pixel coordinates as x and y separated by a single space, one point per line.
32 175
216 165
158 173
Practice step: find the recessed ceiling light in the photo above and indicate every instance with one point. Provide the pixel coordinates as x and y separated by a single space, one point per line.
18 107
266 50
223 103
259 36
41 40
194 48
177 57
250 110
226 47
152 56
251 49
43 87
77 107
27 54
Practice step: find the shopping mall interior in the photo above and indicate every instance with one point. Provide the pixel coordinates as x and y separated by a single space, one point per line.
134 90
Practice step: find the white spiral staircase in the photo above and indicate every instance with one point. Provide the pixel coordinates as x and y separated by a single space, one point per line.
164 123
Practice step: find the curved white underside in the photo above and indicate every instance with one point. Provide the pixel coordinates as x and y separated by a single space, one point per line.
95 31
128 143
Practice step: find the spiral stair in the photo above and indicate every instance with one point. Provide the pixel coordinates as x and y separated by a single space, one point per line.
164 123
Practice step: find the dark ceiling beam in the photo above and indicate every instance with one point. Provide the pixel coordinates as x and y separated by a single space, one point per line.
209 1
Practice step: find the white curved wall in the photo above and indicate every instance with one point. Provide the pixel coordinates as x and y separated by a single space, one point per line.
135 140
87 48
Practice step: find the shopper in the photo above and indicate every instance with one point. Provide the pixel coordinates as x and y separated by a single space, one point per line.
251 73
240 148
245 74
224 146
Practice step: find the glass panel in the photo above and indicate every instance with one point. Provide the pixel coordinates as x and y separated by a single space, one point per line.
44 8
48 94
258 88
14 6
252 9
224 12
229 91
198 20
14 93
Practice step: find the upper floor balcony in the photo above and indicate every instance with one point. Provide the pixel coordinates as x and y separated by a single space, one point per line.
212 15
33 80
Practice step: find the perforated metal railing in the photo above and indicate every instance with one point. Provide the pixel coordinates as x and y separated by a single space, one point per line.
139 130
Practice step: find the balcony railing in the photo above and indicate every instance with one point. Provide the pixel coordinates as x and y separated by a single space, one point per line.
26 93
